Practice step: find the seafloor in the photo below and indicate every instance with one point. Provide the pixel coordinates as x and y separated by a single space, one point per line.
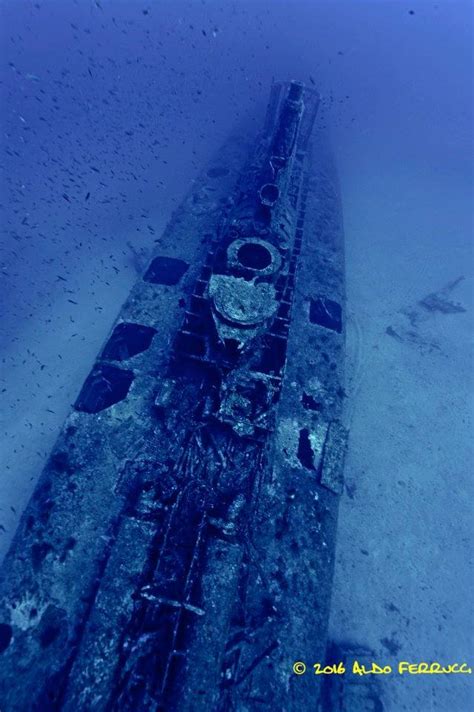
399 106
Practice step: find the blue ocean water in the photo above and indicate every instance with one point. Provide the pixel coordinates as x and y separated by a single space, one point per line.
110 108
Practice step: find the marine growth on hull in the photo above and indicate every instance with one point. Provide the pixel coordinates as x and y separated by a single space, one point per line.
161 563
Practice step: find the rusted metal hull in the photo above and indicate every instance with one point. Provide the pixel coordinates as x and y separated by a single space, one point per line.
178 551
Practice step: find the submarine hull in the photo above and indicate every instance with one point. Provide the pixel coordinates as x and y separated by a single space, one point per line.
177 553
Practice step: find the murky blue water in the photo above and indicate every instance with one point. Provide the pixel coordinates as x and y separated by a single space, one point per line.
109 110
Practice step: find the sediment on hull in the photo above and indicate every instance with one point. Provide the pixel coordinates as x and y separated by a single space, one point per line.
177 553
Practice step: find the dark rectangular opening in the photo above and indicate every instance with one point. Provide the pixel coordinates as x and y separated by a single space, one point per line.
200 287
327 313
165 270
190 343
274 354
128 340
197 303
103 387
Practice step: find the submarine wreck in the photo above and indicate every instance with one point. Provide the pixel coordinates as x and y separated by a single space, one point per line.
177 552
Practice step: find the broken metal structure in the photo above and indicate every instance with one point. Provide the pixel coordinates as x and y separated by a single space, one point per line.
177 553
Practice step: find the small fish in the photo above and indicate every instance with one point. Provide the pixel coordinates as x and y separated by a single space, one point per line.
66 197
88 195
